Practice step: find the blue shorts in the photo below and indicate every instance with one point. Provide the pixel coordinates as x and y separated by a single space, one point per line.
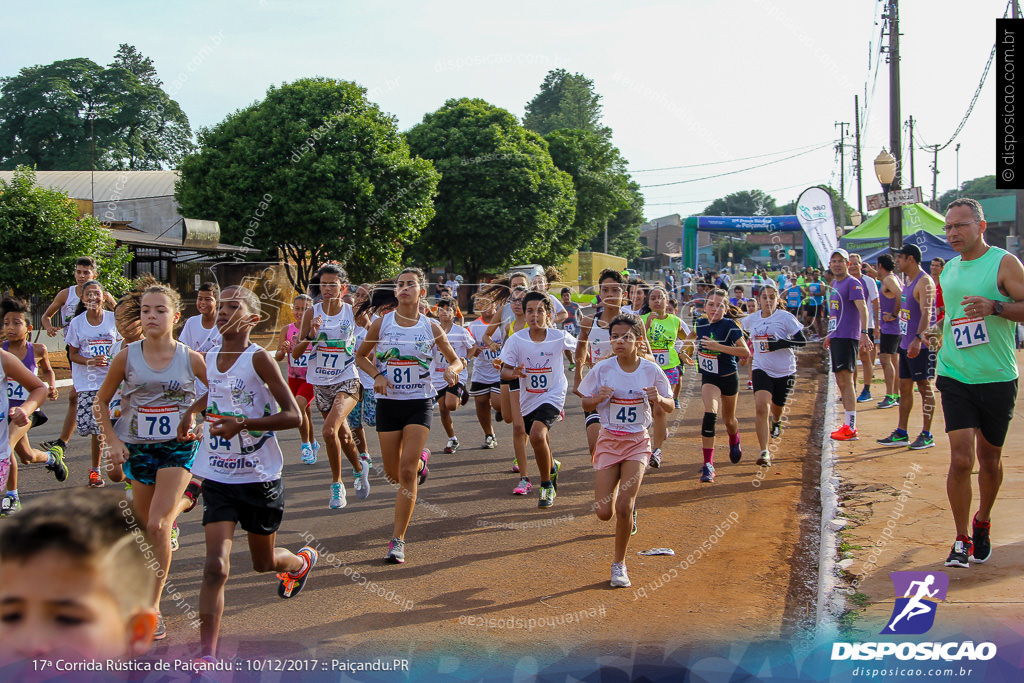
364 412
144 459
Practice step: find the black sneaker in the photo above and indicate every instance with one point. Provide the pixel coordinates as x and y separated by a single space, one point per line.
895 439
290 585
922 441
555 469
775 431
980 539
59 467
962 550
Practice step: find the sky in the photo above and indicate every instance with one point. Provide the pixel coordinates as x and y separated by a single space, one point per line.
702 84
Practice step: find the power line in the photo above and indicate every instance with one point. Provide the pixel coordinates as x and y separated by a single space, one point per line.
708 201
728 161
741 170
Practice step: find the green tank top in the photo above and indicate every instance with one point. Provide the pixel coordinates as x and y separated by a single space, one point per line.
975 351
662 334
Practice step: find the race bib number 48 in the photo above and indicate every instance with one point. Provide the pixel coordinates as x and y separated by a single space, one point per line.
968 332
707 363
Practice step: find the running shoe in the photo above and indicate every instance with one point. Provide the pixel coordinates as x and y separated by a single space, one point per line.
547 497
632 531
96 480
981 543
844 433
865 395
735 453
923 441
775 430
515 464
490 441
707 473
764 460
59 467
889 402
160 632
424 456
655 460
961 552
396 551
291 583
453 445
47 445
9 505
895 439
523 488
572 366
619 577
338 497
316 450
307 454
128 491
561 415
362 484
366 460
497 416
555 469
750 385
175 532
677 403
192 492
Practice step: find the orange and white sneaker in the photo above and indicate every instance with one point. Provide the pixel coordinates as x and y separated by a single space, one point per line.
290 584
96 480
844 433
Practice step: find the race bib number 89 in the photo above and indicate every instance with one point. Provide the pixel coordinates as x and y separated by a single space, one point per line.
968 332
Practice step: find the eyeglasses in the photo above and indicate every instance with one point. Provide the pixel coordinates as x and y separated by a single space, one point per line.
958 226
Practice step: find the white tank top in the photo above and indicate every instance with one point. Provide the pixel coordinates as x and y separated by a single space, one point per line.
67 311
333 351
600 342
251 456
404 355
153 401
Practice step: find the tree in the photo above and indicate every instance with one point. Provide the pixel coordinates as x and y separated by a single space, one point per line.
501 200
565 101
72 113
599 178
43 235
980 188
316 171
744 203
624 228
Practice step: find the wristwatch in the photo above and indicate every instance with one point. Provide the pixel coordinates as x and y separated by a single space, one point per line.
997 307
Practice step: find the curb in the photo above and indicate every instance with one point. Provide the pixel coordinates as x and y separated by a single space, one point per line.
830 604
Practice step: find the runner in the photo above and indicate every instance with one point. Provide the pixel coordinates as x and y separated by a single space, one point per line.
917 360
328 334
297 384
200 332
867 358
66 303
738 299
240 461
638 291
15 316
720 342
847 333
153 403
365 412
815 303
449 398
794 296
572 321
542 283
889 340
15 419
977 371
663 330
401 344
624 390
485 381
90 336
775 333
594 343
534 357
935 269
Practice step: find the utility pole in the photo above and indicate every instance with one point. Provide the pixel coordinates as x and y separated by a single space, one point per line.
842 169
895 121
910 125
856 125
935 177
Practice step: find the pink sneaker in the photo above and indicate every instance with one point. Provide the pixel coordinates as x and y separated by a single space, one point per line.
524 487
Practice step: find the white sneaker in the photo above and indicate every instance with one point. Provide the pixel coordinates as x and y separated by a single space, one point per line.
453 445
307 454
619 577
490 441
362 484
338 499
764 460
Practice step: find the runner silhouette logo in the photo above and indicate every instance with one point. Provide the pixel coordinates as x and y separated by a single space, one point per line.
917 597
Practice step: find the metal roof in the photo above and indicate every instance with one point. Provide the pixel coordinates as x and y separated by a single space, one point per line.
103 186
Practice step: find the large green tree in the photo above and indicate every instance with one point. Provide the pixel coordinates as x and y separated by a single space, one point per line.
501 199
565 101
980 188
599 177
43 235
624 227
743 203
74 112
316 171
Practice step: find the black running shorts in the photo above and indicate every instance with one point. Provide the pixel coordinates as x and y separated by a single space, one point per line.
778 386
729 384
987 407
545 413
257 506
394 414
890 343
843 353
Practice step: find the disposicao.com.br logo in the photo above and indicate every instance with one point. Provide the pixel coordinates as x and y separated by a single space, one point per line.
917 598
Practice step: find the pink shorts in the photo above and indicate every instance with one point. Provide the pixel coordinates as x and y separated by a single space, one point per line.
612 449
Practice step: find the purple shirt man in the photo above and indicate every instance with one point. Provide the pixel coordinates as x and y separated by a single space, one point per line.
843 316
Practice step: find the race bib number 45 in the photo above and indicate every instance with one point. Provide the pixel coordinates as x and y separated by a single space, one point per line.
968 332
626 412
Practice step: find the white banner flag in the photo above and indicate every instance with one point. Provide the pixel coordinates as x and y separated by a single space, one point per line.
814 211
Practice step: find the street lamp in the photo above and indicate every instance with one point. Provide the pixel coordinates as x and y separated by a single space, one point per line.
885 171
856 218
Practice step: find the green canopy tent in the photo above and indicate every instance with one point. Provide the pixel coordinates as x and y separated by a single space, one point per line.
915 217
